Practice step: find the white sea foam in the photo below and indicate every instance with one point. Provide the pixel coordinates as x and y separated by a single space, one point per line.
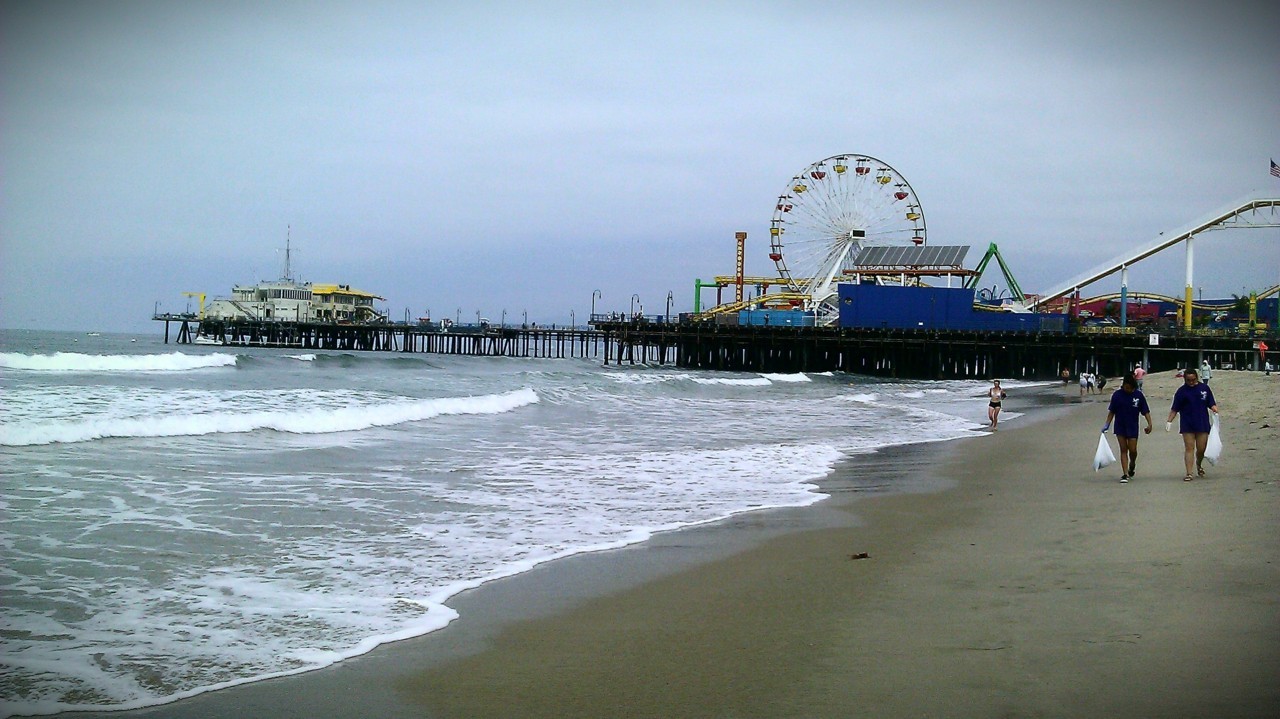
258 555
303 358
735 381
327 595
77 362
763 380
297 421
797 377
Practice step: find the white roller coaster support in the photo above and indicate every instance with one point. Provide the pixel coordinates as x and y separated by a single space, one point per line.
1124 296
1245 212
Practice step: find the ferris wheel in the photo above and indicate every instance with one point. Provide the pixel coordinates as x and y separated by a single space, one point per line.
832 210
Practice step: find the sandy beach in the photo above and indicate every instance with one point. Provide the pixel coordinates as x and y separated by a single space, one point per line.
1029 586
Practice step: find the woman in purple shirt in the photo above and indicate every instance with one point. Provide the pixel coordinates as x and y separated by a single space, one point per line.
1127 405
1192 403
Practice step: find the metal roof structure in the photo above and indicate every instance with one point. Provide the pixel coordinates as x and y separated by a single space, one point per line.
911 256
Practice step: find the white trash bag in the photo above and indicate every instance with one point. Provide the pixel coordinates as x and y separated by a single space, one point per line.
1213 449
1103 456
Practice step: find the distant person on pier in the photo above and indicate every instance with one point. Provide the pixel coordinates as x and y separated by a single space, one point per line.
1127 404
994 396
1192 403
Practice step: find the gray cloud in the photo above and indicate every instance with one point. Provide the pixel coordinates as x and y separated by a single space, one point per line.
519 156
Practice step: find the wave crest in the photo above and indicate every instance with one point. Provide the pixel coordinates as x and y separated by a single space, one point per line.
78 362
317 421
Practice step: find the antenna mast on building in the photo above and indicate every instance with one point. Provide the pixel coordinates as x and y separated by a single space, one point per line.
287 250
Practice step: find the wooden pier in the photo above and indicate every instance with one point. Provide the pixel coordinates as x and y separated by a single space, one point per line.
922 354
905 354
540 342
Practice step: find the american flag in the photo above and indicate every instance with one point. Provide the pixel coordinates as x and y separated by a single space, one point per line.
1275 169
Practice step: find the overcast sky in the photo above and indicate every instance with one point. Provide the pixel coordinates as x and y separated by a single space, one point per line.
464 157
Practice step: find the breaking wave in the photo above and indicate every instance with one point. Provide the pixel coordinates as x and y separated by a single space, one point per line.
77 362
314 421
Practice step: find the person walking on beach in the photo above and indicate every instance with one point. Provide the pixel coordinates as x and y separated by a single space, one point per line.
994 397
1127 404
1192 403
1206 372
1085 382
1139 373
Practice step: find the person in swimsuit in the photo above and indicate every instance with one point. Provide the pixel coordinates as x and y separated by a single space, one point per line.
1127 404
1192 403
994 396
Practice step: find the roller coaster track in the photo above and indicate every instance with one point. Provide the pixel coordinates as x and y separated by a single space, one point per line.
1248 212
748 304
1210 306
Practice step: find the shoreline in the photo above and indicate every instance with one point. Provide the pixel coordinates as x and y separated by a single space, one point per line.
981 599
565 583
1034 587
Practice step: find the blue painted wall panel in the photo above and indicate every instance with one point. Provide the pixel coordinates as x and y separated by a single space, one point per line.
775 318
932 308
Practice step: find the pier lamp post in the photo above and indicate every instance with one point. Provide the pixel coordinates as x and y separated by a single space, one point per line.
504 318
457 320
526 319
670 297
594 295
477 318
635 298
573 321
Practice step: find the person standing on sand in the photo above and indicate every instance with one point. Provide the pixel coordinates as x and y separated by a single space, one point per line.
994 397
1139 373
1084 382
1206 372
1127 404
1192 403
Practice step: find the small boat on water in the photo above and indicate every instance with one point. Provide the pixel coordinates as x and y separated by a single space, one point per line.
207 340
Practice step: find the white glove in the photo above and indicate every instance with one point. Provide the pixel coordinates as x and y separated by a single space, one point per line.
1168 426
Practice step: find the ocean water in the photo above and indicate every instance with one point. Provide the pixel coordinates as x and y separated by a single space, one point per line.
183 518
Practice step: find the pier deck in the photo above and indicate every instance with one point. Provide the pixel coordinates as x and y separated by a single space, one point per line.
914 354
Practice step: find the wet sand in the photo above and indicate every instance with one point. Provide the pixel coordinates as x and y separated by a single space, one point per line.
1011 581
